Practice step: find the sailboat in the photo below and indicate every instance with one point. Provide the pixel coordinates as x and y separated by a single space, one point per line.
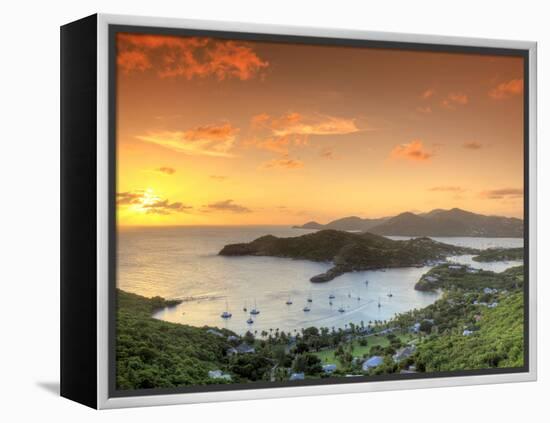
331 297
254 311
341 309
390 294
245 309
226 314
309 299
306 308
289 301
250 321
379 305
366 282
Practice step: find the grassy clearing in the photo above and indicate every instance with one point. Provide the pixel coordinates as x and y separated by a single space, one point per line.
327 356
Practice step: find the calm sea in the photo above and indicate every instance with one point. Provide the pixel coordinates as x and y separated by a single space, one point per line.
182 262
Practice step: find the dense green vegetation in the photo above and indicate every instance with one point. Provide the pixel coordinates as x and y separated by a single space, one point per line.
348 251
477 324
496 341
364 346
499 254
448 276
154 354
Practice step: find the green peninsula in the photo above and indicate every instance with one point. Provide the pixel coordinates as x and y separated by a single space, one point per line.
348 251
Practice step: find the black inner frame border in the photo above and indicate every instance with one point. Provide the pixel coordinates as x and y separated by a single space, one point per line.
113 29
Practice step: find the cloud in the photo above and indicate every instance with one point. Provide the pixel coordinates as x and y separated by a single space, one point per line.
187 57
507 89
413 151
127 198
219 178
328 153
454 99
278 134
260 119
130 61
227 205
274 144
209 140
447 188
283 163
427 93
472 145
166 170
503 193
165 207
146 201
298 124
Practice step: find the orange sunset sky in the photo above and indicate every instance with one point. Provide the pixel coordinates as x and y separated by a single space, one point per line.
214 132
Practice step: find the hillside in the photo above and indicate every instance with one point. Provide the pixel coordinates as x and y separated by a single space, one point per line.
454 222
347 251
438 222
500 254
449 276
350 223
496 341
152 353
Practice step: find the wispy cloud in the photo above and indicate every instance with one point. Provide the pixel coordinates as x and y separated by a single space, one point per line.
283 163
413 151
227 206
209 140
147 202
127 198
328 153
299 124
278 145
454 99
507 89
165 207
472 145
166 170
279 134
187 57
129 61
428 93
503 193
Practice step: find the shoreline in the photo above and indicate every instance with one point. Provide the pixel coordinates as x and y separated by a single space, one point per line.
466 318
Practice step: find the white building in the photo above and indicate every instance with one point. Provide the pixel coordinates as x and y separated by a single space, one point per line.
329 368
218 374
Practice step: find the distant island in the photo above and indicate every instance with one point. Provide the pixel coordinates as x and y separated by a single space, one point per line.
438 222
348 251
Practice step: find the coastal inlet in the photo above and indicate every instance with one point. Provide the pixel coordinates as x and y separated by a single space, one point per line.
183 263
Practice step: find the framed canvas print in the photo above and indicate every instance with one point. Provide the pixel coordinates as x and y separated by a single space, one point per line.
254 211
